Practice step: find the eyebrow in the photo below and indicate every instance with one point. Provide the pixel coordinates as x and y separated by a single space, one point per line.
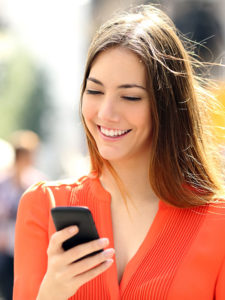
123 86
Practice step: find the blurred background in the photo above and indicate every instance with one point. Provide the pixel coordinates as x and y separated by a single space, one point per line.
43 46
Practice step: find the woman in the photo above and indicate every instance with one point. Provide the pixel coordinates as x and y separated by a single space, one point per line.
153 187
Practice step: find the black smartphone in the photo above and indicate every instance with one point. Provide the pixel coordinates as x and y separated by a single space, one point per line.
64 216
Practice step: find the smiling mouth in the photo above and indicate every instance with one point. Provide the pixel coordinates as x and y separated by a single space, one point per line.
113 132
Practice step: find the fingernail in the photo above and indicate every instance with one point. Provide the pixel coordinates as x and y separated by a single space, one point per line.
109 261
103 242
73 229
108 252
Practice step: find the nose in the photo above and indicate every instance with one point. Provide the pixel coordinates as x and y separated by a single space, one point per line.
108 109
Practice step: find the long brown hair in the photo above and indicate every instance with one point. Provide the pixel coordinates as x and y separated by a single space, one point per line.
181 171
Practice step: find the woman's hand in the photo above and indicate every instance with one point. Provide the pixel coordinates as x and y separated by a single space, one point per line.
64 276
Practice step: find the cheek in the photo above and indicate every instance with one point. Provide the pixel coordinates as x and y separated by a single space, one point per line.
87 110
142 118
148 123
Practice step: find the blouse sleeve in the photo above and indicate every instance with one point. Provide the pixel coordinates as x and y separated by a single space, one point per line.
31 242
220 286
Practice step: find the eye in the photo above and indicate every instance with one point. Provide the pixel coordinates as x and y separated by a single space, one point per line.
132 98
93 92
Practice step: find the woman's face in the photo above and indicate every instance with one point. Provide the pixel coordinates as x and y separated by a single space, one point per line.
116 105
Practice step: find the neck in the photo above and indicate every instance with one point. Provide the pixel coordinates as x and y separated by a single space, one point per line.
135 178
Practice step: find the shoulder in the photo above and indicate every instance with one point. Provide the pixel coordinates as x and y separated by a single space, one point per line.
35 204
216 213
37 194
216 209
213 225
213 212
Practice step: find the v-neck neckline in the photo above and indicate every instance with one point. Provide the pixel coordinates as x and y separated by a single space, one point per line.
148 241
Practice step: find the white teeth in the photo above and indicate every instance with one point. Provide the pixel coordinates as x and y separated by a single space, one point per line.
112 132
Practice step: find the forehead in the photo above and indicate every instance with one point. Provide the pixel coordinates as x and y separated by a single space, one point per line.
118 64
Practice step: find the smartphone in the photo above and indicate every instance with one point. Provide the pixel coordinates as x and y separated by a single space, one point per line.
64 216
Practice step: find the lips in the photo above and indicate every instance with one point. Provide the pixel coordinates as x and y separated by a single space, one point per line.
113 133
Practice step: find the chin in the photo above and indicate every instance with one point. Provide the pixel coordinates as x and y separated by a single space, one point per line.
110 157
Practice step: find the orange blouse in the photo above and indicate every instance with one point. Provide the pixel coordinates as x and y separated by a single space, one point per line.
181 257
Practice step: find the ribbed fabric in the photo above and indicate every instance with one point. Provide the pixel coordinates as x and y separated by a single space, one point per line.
157 268
181 257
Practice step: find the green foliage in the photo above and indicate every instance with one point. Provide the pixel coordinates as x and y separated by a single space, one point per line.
37 105
23 94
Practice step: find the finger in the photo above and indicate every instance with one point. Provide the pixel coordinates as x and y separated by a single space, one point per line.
55 244
89 275
84 249
88 263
